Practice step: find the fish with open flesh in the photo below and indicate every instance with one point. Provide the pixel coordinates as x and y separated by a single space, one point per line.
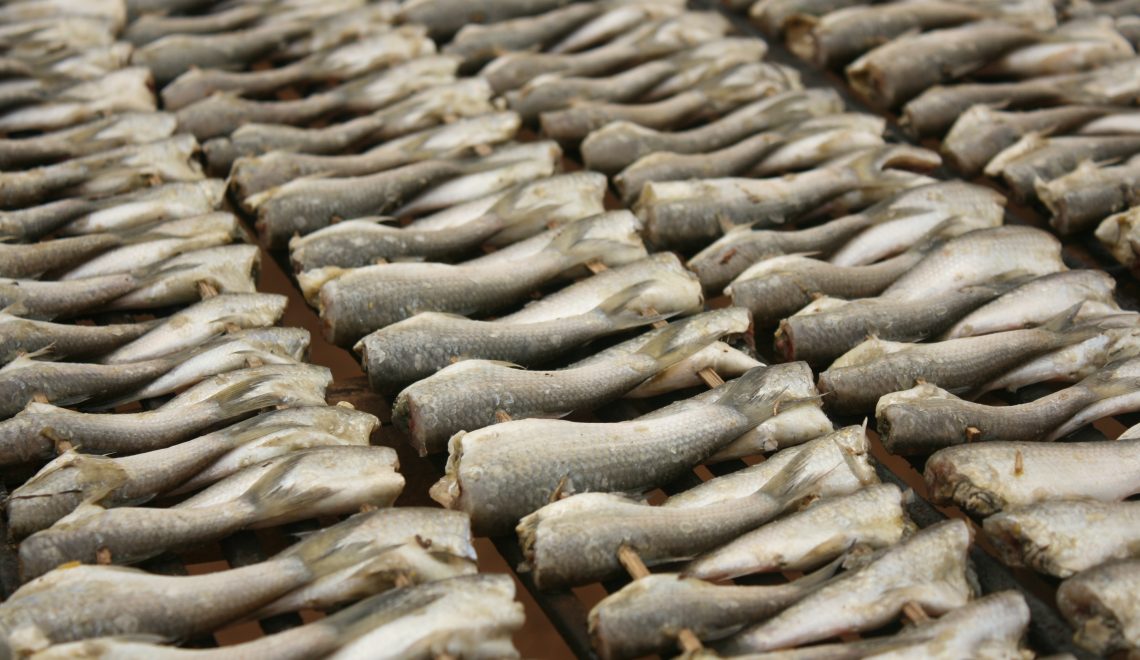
1064 537
472 394
1100 604
358 301
499 474
995 476
928 569
1120 234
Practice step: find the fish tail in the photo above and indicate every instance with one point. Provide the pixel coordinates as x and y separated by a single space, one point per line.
869 165
749 396
790 480
684 338
575 245
272 496
627 309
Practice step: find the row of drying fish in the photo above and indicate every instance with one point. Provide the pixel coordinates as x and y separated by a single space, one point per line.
244 438
1073 157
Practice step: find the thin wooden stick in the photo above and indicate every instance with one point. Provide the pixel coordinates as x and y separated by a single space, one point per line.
914 613
636 568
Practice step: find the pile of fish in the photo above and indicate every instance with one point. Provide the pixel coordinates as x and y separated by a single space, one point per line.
149 402
411 159
1041 97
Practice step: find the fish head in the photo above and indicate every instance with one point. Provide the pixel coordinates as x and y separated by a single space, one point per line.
947 481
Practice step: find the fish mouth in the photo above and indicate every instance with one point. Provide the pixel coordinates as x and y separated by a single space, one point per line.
785 342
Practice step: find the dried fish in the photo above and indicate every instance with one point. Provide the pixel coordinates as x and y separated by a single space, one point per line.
679 213
854 383
1065 537
839 462
577 540
477 43
995 476
136 209
1101 605
644 616
122 90
929 569
926 417
899 70
1118 233
517 213
254 174
617 145
872 517
1089 193
227 268
1034 158
33 260
19 336
465 97
93 137
37 432
471 394
356 302
497 491
345 62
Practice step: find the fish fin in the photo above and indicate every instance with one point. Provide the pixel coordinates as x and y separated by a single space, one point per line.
272 497
625 309
242 397
869 164
574 243
784 485
676 342
99 475
824 573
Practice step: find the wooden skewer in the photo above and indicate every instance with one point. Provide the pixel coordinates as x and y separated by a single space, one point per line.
914 613
636 568
206 290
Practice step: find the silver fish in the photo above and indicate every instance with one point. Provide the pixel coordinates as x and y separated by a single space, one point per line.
35 259
1065 537
587 294
617 145
227 268
839 463
577 540
1039 300
445 17
773 15
872 517
20 336
107 173
936 109
1101 605
474 617
653 39
253 175
74 479
345 62
994 476
877 367
305 205
470 394
350 301
895 72
1089 193
1036 158
991 626
969 260
619 18
281 490
568 460
86 139
37 432
143 207
173 54
709 98
150 27
222 114
208 318
518 212
44 610
479 43
686 212
726 361
929 569
465 97
417 347
1073 47
982 132
124 90
418 545
926 417
643 617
